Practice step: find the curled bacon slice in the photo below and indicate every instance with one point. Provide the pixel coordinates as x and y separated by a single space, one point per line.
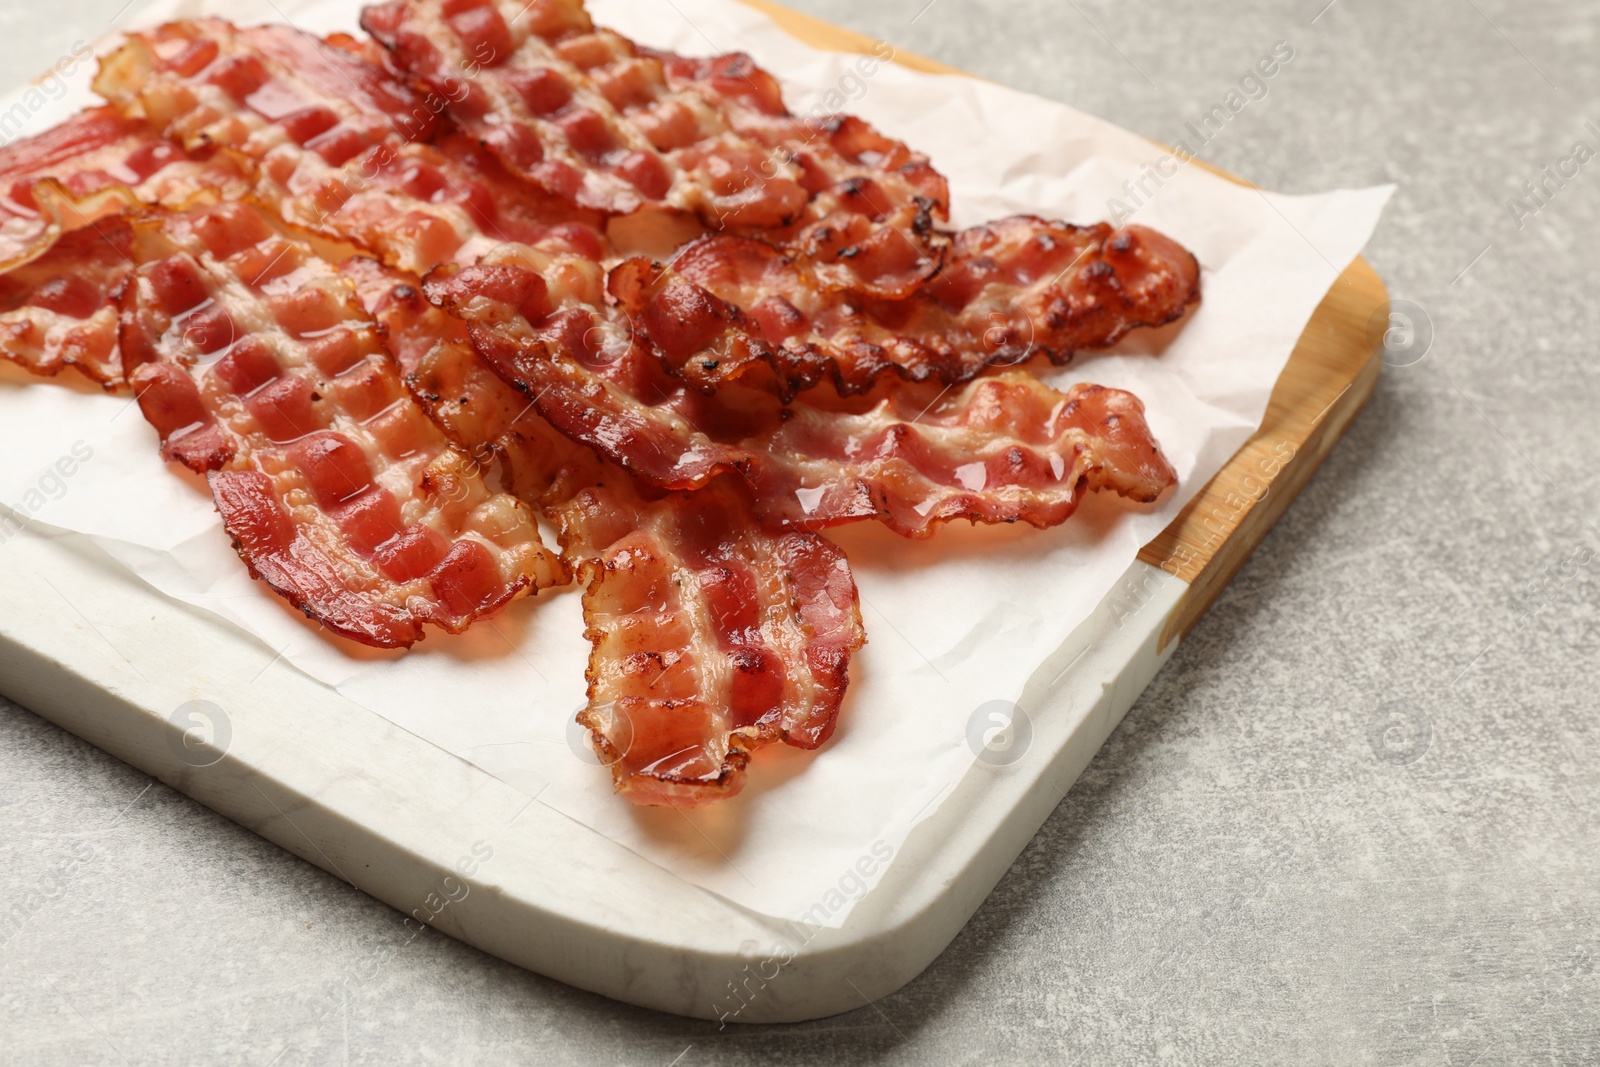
335 143
96 164
76 156
57 310
206 82
62 250
470 404
711 636
587 114
1001 449
550 335
252 358
731 308
868 226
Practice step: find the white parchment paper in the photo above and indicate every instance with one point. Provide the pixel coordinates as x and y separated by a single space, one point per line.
955 623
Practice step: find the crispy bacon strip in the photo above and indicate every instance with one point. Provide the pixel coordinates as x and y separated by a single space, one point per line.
336 143
208 82
96 164
588 115
712 637
1013 289
550 334
252 358
1001 449
63 253
57 310
868 226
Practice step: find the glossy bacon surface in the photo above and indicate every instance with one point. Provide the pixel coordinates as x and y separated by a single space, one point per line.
730 308
259 368
688 425
711 636
588 115
1001 449
62 248
58 311
78 154
337 145
95 164
549 333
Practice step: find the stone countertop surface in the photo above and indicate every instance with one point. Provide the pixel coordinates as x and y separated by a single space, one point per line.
1251 870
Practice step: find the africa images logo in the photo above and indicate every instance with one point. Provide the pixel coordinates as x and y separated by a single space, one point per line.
999 733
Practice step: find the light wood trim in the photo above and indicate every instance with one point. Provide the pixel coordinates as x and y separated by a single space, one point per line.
813 31
1327 381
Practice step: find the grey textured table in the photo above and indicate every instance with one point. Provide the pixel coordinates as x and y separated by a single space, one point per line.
1248 872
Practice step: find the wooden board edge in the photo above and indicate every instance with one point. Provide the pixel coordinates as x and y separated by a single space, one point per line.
819 34
1328 380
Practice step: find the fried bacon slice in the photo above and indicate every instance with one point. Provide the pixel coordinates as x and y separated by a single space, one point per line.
466 399
62 248
1003 449
57 310
550 334
731 308
336 143
711 636
96 164
252 358
1000 449
869 225
587 114
206 82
